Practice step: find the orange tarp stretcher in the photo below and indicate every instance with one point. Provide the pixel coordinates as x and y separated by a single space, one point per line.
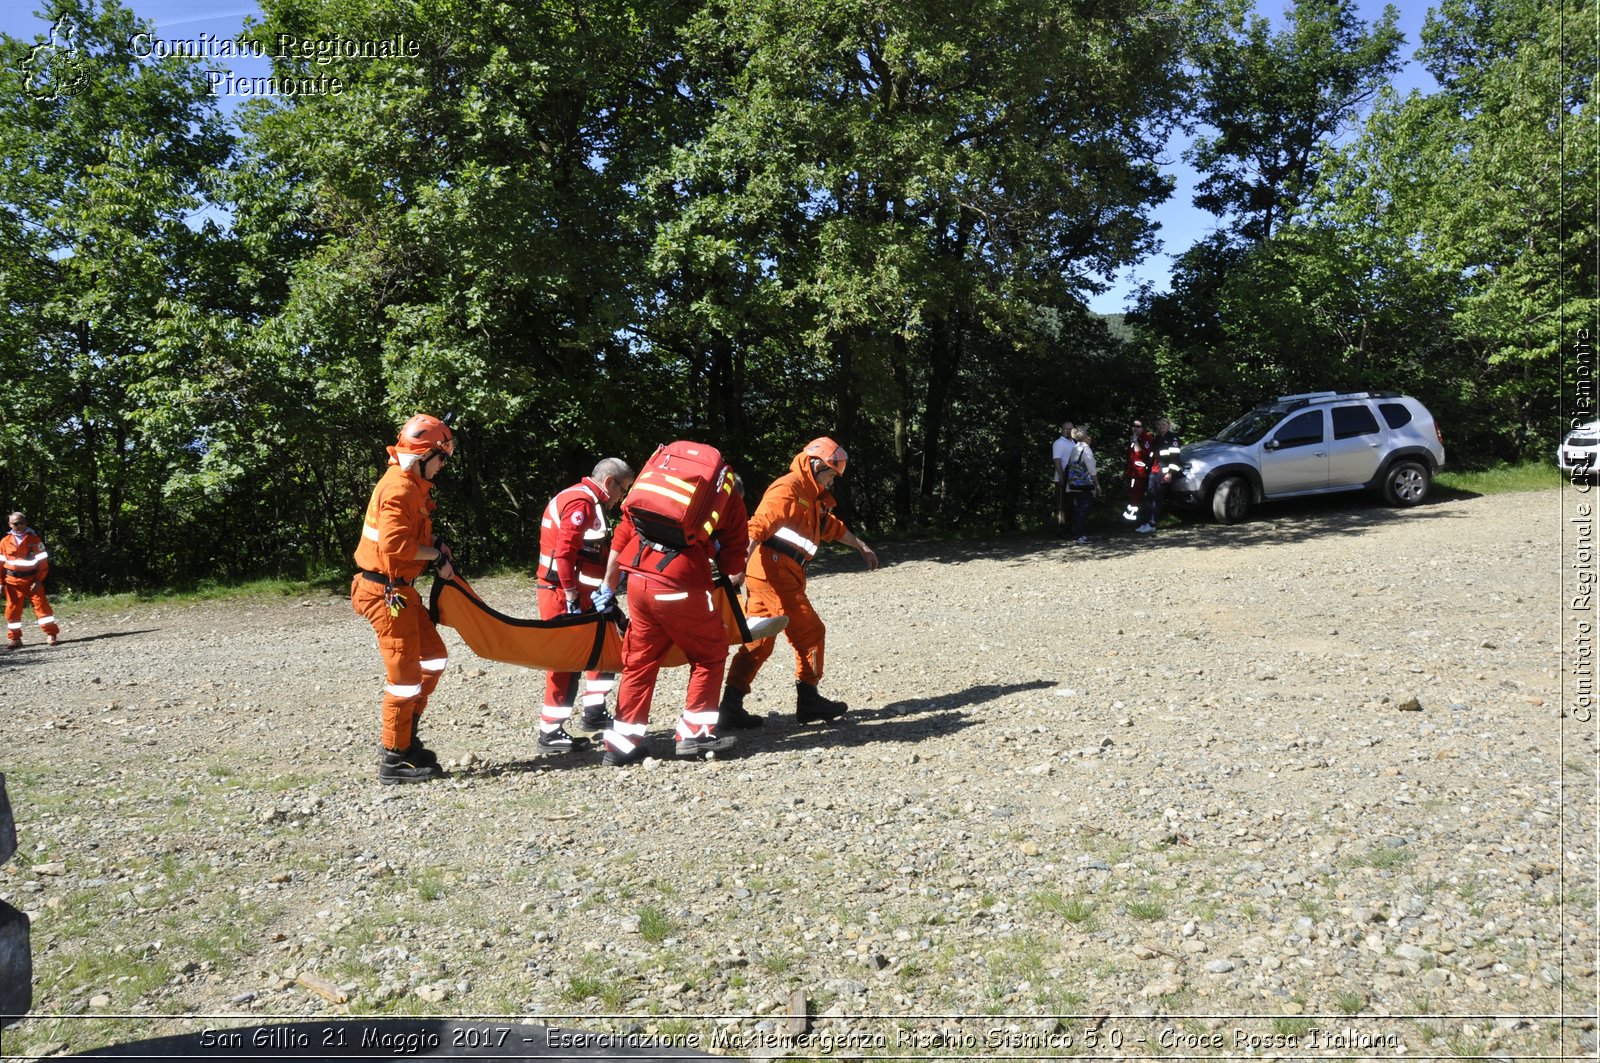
583 642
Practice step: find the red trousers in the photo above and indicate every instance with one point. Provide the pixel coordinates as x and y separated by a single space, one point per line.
20 592
663 615
413 657
782 593
561 688
1136 489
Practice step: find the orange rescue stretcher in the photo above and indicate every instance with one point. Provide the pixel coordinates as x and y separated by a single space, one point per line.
582 642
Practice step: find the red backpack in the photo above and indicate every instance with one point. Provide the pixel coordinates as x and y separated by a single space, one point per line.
678 498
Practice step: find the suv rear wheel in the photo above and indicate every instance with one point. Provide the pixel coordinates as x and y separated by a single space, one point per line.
1406 483
1230 501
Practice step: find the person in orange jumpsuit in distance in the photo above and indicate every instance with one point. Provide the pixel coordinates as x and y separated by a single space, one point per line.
795 517
26 564
397 543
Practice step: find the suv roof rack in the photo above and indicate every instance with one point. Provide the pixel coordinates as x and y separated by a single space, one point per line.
1308 397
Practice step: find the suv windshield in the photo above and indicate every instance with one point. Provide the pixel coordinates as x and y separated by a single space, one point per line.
1251 427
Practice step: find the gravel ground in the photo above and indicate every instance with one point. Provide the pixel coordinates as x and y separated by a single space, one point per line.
1300 786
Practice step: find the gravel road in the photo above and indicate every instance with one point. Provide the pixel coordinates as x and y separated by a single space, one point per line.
1301 786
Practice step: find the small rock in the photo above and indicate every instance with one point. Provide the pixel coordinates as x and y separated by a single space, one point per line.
1410 704
1220 966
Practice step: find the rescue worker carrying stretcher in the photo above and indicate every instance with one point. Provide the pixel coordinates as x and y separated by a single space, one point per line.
397 543
672 600
573 541
794 519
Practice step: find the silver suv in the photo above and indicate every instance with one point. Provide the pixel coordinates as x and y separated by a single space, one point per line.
1314 444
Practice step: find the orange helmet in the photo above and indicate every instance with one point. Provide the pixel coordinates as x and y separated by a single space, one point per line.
829 453
424 434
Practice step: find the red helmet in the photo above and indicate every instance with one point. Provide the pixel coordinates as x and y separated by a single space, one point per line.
424 434
829 453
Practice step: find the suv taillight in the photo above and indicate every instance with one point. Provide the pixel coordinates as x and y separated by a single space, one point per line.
1437 431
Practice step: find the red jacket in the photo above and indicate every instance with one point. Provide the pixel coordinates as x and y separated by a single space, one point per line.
572 537
24 556
794 518
1141 456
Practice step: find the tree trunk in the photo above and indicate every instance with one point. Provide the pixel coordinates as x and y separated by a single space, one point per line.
902 441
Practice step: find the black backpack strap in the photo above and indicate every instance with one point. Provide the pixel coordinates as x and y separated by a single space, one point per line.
667 553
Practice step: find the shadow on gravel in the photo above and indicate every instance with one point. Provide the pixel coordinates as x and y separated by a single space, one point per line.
1270 522
965 699
914 720
552 762
17 659
851 732
306 1042
69 640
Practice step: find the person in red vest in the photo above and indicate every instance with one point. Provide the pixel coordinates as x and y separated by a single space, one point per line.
1141 459
26 563
673 601
573 540
397 543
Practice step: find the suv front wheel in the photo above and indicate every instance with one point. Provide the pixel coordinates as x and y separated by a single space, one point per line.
1230 500
1406 483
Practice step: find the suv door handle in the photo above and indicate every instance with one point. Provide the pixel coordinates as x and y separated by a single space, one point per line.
1319 453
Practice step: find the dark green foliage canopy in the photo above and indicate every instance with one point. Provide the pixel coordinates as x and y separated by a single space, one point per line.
584 229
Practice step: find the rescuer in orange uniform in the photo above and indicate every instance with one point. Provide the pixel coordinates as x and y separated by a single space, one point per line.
27 563
793 520
397 543
573 541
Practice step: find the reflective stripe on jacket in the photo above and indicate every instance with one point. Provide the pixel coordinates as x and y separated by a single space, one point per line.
572 537
24 555
397 522
794 518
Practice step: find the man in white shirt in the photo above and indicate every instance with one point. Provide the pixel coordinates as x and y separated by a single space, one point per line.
1062 452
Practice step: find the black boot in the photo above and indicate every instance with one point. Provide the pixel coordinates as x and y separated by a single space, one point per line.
419 754
731 714
397 766
812 707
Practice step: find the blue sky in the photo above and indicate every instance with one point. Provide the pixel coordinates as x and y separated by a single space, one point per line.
1181 223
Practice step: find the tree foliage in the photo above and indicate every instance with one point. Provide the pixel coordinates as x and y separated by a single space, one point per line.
1439 251
586 229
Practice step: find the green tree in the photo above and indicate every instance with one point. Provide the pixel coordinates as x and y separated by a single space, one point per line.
1275 99
109 161
1509 204
463 240
926 195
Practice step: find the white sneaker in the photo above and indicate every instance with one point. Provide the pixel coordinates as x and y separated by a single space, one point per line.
1145 528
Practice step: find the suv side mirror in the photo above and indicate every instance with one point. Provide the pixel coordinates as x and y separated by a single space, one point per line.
1272 444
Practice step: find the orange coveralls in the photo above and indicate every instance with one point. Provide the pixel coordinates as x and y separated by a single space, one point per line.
794 518
27 563
397 522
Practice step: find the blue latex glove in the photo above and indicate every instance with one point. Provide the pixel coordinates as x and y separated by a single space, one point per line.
604 598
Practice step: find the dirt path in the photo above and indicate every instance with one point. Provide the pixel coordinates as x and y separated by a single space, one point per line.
1161 780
